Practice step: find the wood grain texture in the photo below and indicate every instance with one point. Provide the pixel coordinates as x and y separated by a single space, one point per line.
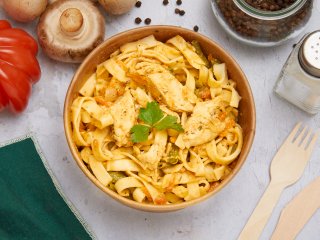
298 212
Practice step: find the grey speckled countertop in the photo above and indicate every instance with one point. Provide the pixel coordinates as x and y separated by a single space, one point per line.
221 217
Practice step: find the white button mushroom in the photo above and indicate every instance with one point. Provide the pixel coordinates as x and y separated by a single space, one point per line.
70 29
24 10
117 7
52 1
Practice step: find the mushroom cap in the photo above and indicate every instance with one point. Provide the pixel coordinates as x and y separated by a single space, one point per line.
117 7
52 1
24 11
70 29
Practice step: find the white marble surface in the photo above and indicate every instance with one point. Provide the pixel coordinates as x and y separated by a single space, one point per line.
221 217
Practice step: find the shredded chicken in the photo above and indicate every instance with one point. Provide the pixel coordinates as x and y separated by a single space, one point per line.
124 116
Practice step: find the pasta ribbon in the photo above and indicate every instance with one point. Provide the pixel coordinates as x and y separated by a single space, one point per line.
116 70
122 165
229 156
76 120
122 185
190 87
138 195
144 43
161 57
97 146
85 154
154 194
87 89
102 118
192 57
220 71
99 171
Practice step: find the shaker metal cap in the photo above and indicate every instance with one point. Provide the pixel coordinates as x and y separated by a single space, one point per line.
309 54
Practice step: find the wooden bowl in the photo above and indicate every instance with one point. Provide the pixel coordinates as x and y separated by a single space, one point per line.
247 116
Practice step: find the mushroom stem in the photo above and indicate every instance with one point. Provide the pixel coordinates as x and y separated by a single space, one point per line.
71 22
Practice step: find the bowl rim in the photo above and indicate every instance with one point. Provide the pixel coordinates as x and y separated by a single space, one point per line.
145 206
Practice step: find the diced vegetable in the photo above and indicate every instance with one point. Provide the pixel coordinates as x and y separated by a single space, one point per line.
116 176
200 53
173 155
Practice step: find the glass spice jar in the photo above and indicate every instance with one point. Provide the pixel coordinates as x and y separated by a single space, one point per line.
263 22
299 79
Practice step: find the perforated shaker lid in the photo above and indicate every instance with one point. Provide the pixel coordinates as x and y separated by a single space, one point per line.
309 54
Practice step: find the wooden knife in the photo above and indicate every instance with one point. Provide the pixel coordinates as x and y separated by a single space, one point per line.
297 212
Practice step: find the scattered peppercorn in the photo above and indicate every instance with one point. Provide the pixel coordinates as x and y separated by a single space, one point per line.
138 4
138 20
177 11
165 2
147 21
196 28
182 12
179 2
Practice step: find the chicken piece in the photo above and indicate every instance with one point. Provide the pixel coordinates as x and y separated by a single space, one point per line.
124 116
141 97
152 157
166 88
198 131
202 127
205 109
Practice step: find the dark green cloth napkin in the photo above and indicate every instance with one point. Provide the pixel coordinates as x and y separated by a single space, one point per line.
30 205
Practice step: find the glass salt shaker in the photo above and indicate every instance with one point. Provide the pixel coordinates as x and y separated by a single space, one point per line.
299 80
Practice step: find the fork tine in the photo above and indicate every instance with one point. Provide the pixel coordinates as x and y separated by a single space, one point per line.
313 142
301 135
305 141
293 132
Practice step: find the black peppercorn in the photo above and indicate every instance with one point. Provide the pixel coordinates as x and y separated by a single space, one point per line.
196 28
147 21
179 2
177 11
138 4
181 12
165 2
138 20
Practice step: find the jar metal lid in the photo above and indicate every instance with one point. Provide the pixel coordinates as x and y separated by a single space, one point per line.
309 54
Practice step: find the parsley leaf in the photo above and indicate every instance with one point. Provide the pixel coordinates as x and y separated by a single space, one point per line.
169 122
153 117
139 133
151 114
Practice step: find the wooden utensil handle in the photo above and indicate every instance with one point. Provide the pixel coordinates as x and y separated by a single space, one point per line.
298 212
262 212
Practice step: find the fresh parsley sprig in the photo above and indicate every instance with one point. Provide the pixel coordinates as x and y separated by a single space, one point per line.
153 117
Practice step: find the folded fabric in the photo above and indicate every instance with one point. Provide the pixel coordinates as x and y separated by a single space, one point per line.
31 203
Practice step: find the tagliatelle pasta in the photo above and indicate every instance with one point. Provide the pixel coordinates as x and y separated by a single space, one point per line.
169 166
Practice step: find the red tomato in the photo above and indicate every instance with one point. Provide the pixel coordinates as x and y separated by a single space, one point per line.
19 67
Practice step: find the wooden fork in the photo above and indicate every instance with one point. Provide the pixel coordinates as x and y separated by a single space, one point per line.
286 168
